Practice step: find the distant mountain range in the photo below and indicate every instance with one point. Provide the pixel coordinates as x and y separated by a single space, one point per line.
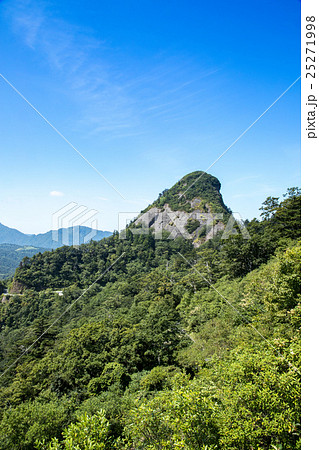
53 238
11 255
15 245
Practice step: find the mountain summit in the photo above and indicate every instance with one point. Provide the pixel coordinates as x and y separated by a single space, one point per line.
195 185
192 208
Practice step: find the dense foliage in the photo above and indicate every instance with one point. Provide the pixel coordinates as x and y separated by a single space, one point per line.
163 346
11 255
198 186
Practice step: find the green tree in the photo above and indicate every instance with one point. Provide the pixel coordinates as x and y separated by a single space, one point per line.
260 395
88 433
269 207
28 422
182 418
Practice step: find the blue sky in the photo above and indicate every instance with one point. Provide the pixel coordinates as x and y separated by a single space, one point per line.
147 91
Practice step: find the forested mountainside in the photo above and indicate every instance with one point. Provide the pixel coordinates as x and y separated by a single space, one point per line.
195 185
157 343
11 255
14 245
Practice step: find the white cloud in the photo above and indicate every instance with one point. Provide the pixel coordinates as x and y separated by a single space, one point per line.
56 194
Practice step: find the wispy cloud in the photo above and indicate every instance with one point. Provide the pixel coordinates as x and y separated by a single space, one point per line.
30 24
56 194
69 50
109 98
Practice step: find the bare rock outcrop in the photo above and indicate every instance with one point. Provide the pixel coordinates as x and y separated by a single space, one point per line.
17 287
179 223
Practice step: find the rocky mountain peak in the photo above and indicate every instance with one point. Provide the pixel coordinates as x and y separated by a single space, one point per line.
192 208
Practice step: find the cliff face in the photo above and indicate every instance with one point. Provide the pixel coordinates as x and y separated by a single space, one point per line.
17 287
192 208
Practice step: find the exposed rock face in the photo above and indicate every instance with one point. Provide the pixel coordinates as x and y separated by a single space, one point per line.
193 208
176 223
5 298
17 287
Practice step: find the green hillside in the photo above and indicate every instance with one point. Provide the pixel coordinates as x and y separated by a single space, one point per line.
155 344
195 185
11 255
